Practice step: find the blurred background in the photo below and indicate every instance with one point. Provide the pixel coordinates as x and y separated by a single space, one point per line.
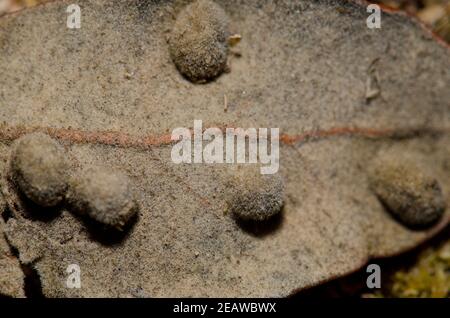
435 13
424 272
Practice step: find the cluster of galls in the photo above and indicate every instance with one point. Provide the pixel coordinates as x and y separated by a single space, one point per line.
409 193
199 45
41 170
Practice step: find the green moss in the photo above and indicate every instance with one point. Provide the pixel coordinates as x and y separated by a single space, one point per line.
429 277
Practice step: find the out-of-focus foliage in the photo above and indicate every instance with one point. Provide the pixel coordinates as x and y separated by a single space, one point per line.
435 13
429 277
14 5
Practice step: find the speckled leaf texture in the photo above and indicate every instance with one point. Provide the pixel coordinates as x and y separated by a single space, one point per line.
111 95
